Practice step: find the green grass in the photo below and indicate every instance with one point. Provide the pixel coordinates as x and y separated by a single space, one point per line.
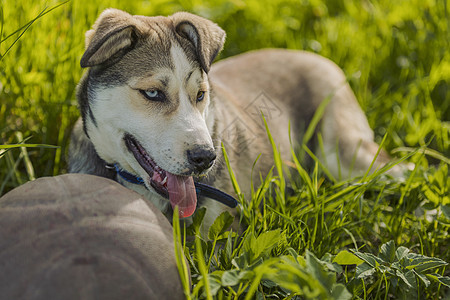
396 57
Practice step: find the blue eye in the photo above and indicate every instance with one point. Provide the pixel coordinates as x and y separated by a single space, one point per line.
153 95
200 96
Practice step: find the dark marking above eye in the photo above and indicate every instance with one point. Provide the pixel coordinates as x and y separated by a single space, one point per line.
165 81
201 78
188 76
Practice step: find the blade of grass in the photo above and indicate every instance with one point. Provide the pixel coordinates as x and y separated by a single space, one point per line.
338 159
252 187
179 257
12 169
352 164
2 20
21 34
202 266
375 158
5 148
236 187
301 171
304 175
408 184
427 151
43 13
278 164
316 119
26 158
27 146
324 168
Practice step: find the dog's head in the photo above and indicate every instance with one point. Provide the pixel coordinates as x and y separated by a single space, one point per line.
145 98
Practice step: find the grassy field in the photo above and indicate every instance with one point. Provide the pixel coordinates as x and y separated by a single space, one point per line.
374 237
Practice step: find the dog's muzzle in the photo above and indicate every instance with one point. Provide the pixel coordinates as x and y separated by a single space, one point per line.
180 189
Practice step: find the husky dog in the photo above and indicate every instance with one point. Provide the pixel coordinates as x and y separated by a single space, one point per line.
154 107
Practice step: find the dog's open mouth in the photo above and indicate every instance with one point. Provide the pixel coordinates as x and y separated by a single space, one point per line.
180 190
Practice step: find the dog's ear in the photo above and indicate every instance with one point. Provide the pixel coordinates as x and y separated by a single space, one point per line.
113 33
207 37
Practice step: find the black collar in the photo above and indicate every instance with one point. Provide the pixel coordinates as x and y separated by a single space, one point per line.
201 188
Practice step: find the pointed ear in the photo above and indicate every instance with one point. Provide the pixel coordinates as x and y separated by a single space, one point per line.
207 37
113 34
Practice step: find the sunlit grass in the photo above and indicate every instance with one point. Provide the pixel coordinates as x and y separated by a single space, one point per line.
395 55
296 244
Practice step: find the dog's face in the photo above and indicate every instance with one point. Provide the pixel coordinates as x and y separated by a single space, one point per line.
148 97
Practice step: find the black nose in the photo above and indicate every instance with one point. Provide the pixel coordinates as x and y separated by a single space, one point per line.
201 158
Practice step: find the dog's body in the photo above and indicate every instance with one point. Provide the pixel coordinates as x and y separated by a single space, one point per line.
151 101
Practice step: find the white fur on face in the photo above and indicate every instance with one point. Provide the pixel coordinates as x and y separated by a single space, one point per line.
166 137
190 117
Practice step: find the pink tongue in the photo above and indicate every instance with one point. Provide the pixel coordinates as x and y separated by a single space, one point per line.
182 193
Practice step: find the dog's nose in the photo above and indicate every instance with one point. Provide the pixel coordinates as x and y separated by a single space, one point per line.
201 158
